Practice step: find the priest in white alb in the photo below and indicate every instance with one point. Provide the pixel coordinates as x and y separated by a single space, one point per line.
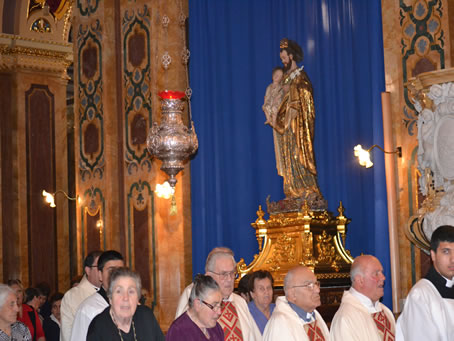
361 316
236 320
294 318
428 312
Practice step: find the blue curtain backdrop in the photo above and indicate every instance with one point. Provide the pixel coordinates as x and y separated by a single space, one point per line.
234 45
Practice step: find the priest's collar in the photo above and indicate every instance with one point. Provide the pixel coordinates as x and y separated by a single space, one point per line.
228 299
443 285
307 317
103 293
366 301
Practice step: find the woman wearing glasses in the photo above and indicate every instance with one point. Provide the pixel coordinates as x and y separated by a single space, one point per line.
199 322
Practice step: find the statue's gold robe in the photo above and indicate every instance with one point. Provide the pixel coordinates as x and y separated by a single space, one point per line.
295 125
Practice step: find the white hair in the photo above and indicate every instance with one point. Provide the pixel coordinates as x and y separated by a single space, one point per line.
218 252
5 291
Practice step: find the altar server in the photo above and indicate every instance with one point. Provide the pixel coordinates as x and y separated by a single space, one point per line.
429 308
294 318
361 316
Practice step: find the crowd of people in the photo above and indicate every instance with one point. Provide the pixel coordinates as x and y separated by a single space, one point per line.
105 304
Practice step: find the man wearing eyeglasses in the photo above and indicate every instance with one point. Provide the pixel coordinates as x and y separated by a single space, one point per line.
236 320
294 318
361 316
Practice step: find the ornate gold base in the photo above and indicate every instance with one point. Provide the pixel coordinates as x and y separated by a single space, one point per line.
311 238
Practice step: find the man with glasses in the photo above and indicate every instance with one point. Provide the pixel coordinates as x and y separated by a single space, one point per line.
361 316
294 318
235 319
74 297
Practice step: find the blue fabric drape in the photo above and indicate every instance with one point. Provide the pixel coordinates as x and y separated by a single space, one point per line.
234 46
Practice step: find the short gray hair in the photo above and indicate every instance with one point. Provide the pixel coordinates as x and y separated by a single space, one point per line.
202 286
288 279
122 272
5 290
216 253
359 265
355 271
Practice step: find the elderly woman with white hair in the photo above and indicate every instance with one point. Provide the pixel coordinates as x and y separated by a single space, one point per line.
199 322
125 319
10 328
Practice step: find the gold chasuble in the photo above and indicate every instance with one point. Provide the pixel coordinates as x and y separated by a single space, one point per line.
313 332
384 327
230 323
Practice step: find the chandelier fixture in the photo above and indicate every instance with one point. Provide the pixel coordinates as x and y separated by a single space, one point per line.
172 142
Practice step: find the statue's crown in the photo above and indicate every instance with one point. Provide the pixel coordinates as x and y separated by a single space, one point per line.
284 43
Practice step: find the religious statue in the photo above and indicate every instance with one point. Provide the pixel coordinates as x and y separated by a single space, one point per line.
294 127
273 99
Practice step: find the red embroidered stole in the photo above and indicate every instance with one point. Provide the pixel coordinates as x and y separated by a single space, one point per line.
314 332
230 323
384 326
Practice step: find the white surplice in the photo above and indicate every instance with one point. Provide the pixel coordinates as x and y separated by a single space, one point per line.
426 315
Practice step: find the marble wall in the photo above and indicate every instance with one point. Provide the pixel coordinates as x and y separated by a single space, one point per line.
416 35
116 50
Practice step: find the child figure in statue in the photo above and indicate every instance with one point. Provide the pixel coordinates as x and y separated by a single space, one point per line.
273 96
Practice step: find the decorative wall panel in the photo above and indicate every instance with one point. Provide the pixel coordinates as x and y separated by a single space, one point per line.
93 219
141 234
137 80
423 40
87 7
91 120
40 118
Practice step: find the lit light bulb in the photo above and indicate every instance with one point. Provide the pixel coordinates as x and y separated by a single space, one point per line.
49 198
363 156
165 190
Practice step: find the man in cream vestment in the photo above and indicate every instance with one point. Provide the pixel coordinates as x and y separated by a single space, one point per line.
361 316
75 296
221 265
428 312
294 318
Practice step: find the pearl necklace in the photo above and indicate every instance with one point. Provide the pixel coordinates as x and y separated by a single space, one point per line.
119 332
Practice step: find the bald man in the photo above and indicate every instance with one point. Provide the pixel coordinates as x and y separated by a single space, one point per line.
361 316
294 318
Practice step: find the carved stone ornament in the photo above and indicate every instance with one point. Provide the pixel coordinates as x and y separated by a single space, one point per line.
435 154
20 53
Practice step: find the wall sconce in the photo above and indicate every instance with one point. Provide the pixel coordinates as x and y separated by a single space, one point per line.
50 197
363 155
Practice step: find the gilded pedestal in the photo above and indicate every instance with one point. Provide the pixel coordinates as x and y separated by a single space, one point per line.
311 238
